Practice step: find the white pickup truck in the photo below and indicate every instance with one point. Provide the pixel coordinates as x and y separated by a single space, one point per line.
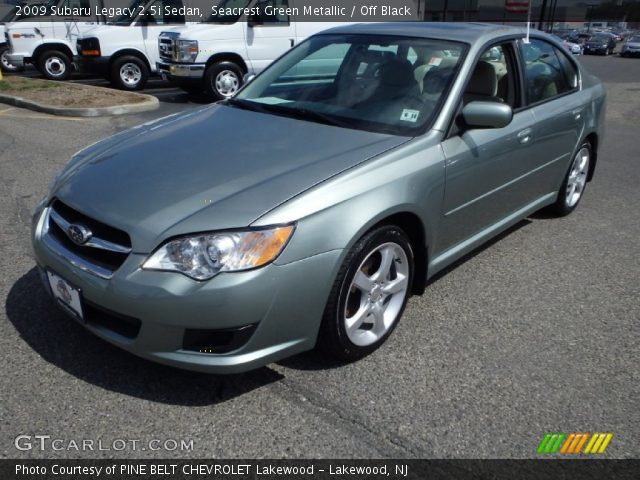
213 57
125 50
14 14
40 35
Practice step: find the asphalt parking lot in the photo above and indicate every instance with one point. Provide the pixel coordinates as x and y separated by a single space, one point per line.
538 331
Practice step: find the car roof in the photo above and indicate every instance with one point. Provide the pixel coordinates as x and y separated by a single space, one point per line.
467 32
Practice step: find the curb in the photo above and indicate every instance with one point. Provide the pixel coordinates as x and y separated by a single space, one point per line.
150 103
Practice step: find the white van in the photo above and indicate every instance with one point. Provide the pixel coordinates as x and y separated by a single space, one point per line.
48 41
213 57
125 50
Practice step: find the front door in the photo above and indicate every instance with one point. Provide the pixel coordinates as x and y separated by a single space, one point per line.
483 167
269 35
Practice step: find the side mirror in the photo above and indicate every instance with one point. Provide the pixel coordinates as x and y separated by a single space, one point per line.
248 77
487 115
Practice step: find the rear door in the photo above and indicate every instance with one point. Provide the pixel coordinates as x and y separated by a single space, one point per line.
553 95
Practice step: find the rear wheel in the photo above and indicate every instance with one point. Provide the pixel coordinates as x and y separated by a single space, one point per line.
4 61
575 182
369 294
222 80
129 73
54 65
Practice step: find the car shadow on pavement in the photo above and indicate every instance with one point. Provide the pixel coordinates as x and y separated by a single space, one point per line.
314 360
64 343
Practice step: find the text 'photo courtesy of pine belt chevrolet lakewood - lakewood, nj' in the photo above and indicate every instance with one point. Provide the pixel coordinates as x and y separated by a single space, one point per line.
341 167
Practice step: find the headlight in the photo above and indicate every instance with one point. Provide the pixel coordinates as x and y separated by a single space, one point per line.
187 51
203 256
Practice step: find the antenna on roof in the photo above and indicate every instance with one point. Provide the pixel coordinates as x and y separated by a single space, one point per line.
526 40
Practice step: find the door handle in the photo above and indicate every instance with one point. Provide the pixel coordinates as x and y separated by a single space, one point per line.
577 114
292 42
524 136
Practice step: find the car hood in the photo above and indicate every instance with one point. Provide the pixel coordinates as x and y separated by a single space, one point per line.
214 168
596 43
632 44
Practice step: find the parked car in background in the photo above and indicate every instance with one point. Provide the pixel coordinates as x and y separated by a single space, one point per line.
602 43
125 50
48 41
574 48
214 57
309 207
631 47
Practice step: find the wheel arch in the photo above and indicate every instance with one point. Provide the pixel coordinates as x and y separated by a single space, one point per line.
411 224
229 57
45 47
593 140
129 52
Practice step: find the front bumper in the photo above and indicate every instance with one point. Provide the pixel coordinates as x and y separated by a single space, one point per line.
181 71
598 49
628 52
97 65
16 59
284 302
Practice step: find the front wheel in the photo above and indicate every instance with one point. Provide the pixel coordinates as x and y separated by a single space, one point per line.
54 65
369 294
129 73
5 65
575 182
222 80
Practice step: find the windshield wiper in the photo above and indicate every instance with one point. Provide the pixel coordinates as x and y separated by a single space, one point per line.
298 113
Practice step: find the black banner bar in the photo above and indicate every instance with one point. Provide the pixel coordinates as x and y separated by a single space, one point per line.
317 469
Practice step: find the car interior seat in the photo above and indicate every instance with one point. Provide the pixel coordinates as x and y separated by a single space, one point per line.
483 85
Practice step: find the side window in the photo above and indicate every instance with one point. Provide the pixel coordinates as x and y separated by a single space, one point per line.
548 73
273 12
493 78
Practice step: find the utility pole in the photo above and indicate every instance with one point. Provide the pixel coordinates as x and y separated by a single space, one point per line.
543 10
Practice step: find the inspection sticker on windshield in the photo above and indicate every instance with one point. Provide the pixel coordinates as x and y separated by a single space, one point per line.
435 61
410 115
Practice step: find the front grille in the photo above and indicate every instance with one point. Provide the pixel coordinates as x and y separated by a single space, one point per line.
167 45
123 325
103 252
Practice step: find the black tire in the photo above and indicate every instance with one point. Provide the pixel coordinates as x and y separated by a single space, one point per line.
216 77
5 66
129 73
333 337
562 206
54 65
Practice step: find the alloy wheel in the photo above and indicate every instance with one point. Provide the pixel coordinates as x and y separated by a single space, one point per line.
130 74
376 295
577 177
227 83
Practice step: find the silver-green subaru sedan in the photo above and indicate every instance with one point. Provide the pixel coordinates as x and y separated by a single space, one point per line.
308 208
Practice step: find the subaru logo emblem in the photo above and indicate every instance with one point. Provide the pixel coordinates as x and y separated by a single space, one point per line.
79 234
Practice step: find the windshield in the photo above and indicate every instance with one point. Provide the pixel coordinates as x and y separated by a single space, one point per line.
130 13
10 16
635 39
600 38
228 11
368 82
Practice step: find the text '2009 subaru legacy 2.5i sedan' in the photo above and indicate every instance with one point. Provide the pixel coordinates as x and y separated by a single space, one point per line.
308 208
